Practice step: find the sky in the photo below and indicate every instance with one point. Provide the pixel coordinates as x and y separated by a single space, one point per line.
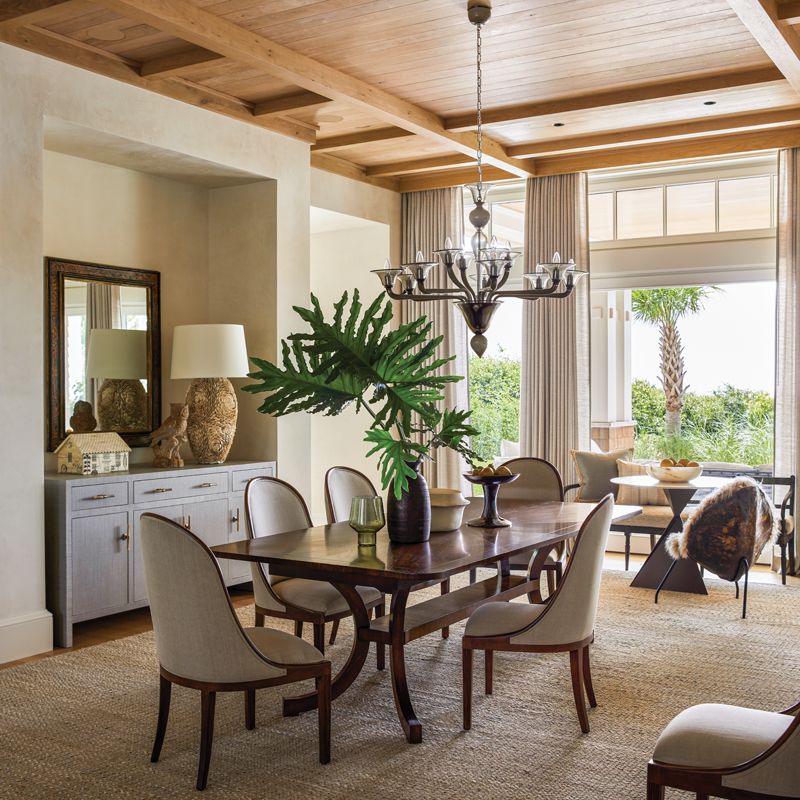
730 341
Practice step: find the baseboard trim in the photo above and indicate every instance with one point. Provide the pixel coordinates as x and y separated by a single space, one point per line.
25 636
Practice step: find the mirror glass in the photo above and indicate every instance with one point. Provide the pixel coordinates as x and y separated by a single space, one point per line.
104 342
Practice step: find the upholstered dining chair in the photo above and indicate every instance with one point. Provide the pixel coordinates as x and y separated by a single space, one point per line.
273 506
725 751
539 481
564 624
202 645
342 484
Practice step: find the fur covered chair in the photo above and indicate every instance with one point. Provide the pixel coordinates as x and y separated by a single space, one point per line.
727 532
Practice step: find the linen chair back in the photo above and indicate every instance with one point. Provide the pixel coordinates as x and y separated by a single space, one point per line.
570 614
198 635
777 774
271 506
538 481
342 484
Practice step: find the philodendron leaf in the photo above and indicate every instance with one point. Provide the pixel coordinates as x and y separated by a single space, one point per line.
394 459
455 432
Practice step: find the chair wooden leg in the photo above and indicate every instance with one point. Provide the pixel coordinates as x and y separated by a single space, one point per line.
323 685
319 636
445 589
783 564
587 678
473 575
551 582
208 701
250 709
744 598
466 673
576 668
298 629
488 670
259 623
790 547
380 648
652 542
655 791
559 572
334 631
627 535
701 796
164 695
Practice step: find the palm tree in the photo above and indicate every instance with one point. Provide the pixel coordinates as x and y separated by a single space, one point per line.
663 308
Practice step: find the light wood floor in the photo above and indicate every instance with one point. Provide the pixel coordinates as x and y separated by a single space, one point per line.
107 629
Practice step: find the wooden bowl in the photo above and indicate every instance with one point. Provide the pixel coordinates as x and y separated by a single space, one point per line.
673 474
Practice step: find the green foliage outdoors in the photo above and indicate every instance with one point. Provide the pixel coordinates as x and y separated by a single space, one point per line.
358 359
729 424
494 400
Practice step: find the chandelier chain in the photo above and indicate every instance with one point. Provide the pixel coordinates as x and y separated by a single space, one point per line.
480 108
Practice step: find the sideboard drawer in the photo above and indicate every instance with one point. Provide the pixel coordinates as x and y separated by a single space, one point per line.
241 477
199 485
99 495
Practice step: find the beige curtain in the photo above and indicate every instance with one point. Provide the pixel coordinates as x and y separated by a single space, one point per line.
103 310
787 370
428 218
555 413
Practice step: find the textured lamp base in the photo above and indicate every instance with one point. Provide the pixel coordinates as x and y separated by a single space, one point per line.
213 411
122 405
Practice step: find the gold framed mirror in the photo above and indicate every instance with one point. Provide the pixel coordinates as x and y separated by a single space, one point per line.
104 339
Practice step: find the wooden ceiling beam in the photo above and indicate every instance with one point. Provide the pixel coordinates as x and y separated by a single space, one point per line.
85 56
747 142
656 90
292 102
776 36
420 165
179 63
31 12
348 169
686 128
789 10
204 29
452 177
359 137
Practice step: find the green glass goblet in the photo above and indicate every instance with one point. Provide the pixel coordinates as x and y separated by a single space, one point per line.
367 518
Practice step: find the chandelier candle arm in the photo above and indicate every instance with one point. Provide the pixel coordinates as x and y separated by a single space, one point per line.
492 262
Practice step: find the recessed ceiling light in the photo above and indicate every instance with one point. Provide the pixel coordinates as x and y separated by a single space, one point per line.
709 102
558 124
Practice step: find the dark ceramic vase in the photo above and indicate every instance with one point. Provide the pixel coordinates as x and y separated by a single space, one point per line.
408 519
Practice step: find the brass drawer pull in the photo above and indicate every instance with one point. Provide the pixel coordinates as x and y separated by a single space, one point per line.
205 485
236 520
100 497
126 537
160 490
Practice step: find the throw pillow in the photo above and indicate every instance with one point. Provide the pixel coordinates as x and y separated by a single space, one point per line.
635 495
595 471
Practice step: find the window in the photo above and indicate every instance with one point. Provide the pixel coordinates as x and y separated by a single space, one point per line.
691 208
640 213
601 217
744 203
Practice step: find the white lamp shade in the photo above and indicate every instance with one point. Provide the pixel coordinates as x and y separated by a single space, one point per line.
117 353
209 351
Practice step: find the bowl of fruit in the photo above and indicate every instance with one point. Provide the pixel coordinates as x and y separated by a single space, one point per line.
673 471
490 479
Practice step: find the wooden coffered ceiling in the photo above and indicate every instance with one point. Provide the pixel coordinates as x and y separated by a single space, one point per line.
384 90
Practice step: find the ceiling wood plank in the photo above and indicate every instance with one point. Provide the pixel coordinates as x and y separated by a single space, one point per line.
212 32
420 165
28 12
293 102
453 177
655 90
776 36
348 169
651 133
747 142
359 137
789 10
178 63
62 48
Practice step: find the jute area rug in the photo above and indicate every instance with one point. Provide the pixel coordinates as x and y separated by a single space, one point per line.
80 725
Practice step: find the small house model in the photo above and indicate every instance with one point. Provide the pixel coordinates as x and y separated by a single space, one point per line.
93 453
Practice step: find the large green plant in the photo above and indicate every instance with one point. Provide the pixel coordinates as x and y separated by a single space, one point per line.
358 359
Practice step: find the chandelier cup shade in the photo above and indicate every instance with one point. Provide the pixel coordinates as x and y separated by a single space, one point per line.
210 355
476 276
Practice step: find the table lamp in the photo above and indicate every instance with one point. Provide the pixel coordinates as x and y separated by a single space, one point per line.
209 355
119 357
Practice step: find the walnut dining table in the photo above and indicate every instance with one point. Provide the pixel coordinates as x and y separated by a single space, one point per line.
331 553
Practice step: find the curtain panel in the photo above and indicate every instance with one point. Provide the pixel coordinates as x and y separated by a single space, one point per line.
787 319
428 218
555 407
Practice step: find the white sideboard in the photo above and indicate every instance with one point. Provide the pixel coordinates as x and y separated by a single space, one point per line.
92 522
